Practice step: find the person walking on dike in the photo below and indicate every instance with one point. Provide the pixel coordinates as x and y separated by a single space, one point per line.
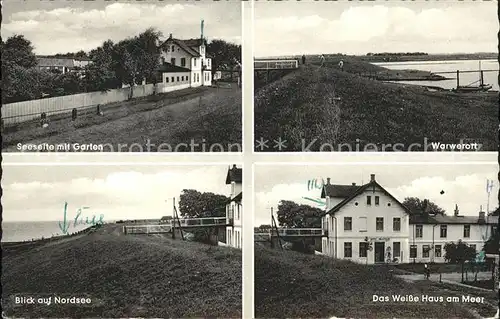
303 59
341 65
322 58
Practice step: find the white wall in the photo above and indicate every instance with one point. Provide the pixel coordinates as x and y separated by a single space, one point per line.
178 54
478 235
386 209
173 79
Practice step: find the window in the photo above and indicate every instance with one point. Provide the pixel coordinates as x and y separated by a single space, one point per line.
413 251
437 251
368 200
347 250
396 249
173 79
363 249
380 223
347 223
466 231
173 48
183 61
443 231
362 224
182 78
187 77
419 231
377 200
194 61
172 61
425 251
396 224
177 79
166 79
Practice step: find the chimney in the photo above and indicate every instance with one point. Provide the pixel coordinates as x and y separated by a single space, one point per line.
234 166
456 210
482 216
372 177
328 181
353 184
170 36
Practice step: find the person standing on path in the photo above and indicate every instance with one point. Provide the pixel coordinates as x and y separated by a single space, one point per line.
341 65
303 59
322 58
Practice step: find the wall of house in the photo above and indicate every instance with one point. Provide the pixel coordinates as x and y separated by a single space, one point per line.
207 78
478 235
172 81
177 53
364 225
196 79
233 237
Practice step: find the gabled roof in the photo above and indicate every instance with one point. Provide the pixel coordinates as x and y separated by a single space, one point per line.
234 174
168 67
237 198
182 44
50 61
342 191
359 191
450 220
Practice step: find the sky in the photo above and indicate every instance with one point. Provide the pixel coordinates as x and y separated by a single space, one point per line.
463 184
69 26
354 27
38 193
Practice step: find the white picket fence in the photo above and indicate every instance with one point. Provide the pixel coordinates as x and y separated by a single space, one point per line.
19 112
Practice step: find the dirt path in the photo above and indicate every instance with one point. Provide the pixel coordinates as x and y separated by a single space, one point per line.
135 125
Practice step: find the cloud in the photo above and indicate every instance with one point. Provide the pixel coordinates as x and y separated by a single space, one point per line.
70 29
121 194
361 29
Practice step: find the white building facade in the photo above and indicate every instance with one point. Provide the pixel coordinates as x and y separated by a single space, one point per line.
366 224
186 56
234 208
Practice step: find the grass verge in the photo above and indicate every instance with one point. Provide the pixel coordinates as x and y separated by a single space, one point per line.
125 276
294 285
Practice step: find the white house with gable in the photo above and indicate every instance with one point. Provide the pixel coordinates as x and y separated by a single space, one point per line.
234 208
365 224
185 63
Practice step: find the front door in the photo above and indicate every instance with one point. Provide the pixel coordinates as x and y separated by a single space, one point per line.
379 252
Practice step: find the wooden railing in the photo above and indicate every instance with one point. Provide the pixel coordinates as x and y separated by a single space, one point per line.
276 64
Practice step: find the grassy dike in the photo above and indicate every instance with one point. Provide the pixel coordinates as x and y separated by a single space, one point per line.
294 285
301 108
124 276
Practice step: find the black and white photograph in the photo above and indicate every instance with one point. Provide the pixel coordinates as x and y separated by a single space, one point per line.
376 240
385 76
122 241
121 76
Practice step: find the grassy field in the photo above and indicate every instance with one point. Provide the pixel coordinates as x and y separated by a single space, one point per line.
202 115
295 285
125 276
314 106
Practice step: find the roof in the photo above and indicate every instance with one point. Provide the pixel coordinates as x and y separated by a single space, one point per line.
342 191
360 190
234 174
450 220
238 198
168 67
66 62
183 45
